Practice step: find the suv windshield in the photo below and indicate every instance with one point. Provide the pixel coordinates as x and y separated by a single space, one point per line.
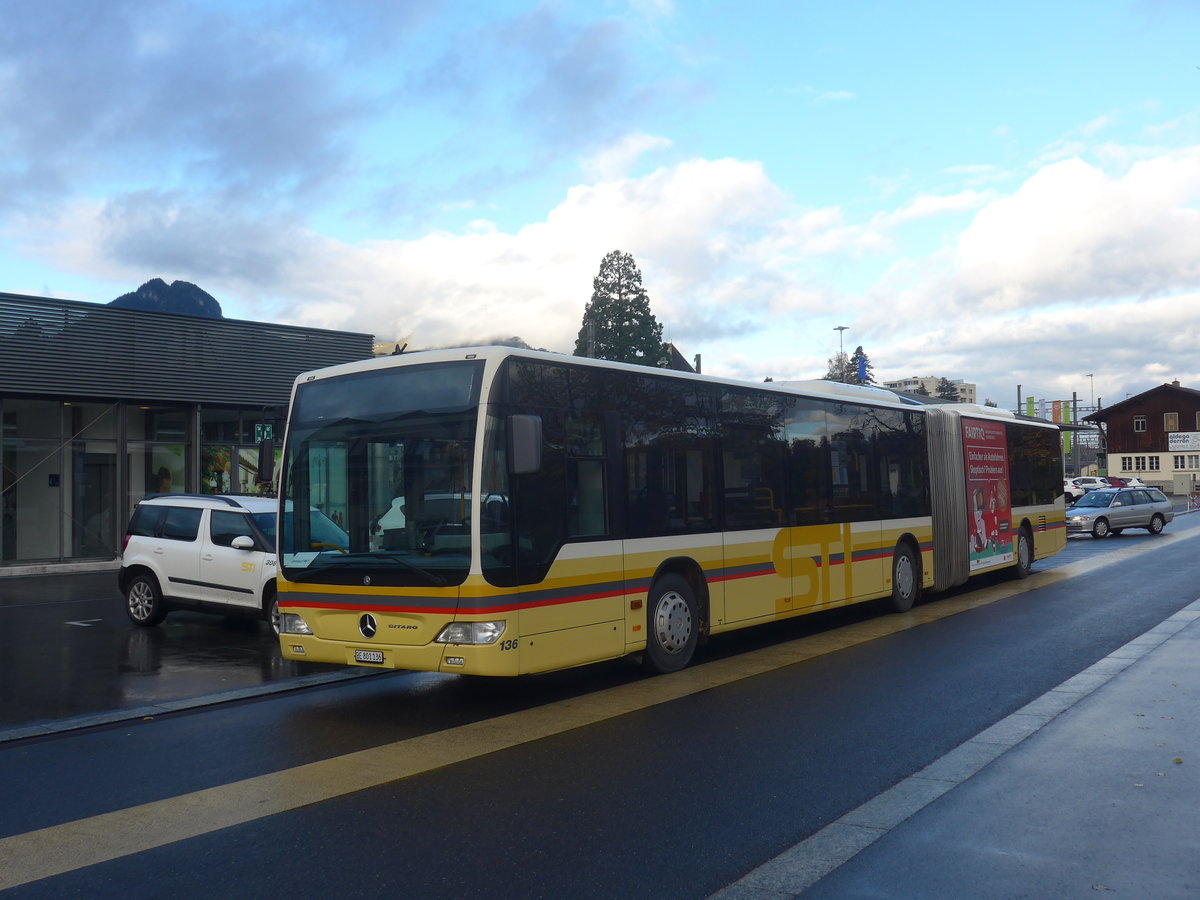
386 455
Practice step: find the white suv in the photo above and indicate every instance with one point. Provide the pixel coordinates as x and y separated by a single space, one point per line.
208 552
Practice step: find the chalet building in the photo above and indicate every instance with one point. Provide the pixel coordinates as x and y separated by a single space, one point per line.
101 405
1154 435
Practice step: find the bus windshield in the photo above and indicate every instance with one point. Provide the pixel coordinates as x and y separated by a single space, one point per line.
386 455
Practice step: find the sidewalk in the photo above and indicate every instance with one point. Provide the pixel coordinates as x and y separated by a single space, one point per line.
1092 789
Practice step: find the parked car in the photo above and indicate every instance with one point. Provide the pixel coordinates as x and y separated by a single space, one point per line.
1091 482
1072 491
1108 511
207 552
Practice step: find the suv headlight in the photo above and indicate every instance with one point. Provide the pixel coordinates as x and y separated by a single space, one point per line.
470 633
290 623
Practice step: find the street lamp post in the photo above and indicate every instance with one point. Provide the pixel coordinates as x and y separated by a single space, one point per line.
841 351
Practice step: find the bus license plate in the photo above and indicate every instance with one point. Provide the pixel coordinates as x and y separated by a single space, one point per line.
368 656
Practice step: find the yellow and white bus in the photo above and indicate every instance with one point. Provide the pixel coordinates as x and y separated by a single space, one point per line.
511 512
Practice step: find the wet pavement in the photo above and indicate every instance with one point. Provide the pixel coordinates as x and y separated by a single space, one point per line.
69 656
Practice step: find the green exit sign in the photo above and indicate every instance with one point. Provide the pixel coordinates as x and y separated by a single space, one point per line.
263 433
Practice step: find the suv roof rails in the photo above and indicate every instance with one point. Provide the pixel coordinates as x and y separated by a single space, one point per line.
222 497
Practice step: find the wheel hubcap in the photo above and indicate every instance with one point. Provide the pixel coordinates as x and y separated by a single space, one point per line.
672 622
140 600
903 577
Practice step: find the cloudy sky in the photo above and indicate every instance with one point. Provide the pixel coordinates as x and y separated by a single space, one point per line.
1003 193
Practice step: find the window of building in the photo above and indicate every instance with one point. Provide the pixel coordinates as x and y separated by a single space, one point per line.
157 423
222 426
1193 461
1178 462
1139 423
1139 464
1171 421
1155 462
32 480
216 469
1126 463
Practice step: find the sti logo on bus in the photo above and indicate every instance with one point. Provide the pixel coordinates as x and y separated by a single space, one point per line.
367 626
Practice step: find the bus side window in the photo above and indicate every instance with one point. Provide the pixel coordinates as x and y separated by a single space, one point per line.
586 454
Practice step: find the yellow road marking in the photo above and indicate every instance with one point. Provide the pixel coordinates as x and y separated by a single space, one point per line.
86 842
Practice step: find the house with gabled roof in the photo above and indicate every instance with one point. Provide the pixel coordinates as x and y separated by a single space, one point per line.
1155 436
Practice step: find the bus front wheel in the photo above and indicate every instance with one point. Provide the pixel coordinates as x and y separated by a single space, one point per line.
673 623
906 580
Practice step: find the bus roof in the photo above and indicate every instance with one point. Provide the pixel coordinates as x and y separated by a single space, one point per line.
859 393
831 389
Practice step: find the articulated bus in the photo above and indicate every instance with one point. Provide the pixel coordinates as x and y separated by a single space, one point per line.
508 512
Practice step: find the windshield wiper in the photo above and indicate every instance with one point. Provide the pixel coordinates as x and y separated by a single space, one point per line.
432 577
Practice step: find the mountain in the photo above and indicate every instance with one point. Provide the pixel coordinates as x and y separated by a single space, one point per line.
177 297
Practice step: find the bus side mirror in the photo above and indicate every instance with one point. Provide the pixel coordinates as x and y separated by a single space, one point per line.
524 444
266 461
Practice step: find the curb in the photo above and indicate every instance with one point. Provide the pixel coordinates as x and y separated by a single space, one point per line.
112 717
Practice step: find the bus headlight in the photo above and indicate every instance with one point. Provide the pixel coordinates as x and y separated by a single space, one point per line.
290 623
470 633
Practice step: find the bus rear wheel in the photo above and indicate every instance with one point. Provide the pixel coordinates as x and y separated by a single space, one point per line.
1024 554
673 625
906 580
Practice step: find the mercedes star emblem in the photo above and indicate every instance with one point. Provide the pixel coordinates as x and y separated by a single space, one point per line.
367 626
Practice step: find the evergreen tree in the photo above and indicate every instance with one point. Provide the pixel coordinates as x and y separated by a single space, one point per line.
617 322
860 369
946 389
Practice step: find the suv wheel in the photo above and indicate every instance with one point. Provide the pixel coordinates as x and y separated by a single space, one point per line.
143 601
271 611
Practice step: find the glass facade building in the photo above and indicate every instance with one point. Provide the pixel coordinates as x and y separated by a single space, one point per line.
100 406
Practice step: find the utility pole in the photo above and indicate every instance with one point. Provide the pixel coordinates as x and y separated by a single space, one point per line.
841 351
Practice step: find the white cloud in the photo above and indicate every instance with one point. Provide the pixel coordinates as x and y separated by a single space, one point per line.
1074 234
616 160
926 206
1078 255
686 226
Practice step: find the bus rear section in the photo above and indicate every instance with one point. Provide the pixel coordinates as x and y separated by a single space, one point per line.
996 492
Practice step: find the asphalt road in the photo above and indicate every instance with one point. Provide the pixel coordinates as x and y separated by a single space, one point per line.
591 783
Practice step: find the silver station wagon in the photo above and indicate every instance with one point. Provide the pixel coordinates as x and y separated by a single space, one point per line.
1104 512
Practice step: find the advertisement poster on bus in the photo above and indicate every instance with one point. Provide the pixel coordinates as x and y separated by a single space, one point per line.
985 452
